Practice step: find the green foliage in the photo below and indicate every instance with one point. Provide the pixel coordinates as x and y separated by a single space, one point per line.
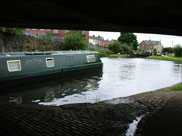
139 50
176 88
74 40
155 51
102 53
126 49
115 47
14 31
130 39
168 50
165 58
178 50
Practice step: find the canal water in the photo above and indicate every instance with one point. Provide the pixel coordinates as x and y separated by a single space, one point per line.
120 77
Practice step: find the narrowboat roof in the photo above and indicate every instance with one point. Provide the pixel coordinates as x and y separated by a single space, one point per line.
18 54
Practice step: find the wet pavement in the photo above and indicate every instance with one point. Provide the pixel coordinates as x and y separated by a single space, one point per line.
161 110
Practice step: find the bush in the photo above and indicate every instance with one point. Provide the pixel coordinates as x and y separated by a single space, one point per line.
168 50
115 47
178 50
102 53
74 40
126 49
155 51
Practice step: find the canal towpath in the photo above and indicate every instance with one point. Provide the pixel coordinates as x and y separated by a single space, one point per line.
161 110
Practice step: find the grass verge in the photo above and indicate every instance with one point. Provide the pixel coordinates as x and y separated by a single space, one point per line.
118 55
165 58
176 88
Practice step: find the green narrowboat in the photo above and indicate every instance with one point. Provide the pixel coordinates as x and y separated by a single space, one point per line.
26 67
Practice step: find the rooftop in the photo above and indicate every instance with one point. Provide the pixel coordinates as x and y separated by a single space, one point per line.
152 42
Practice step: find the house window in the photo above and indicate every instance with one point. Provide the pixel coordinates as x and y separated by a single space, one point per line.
50 62
14 65
90 58
55 31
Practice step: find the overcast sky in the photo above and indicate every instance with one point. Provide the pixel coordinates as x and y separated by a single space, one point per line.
167 40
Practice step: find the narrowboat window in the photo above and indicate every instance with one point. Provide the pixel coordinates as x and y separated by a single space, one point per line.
50 62
90 58
14 65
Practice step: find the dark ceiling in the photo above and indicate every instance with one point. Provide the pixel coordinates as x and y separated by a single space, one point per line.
144 16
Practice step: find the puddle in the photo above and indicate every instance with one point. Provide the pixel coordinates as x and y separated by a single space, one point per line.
133 126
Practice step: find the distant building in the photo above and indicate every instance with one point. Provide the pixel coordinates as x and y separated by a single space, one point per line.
59 34
98 41
106 43
148 46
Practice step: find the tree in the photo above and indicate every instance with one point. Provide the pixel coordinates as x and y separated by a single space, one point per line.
130 39
74 40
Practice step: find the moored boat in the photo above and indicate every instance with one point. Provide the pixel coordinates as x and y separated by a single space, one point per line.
22 67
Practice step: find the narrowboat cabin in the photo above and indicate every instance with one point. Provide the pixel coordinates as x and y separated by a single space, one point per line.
21 67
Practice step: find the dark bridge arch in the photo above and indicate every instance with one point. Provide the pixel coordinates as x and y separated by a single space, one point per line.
146 16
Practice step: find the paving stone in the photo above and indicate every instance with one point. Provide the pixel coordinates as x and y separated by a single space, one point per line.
79 119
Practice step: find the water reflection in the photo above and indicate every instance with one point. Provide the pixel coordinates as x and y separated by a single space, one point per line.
121 77
49 91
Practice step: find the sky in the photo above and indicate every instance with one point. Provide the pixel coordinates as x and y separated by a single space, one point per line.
166 40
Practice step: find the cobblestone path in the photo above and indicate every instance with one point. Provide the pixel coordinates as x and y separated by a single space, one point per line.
165 114
69 120
166 121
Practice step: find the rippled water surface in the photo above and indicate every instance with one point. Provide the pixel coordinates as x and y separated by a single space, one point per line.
120 77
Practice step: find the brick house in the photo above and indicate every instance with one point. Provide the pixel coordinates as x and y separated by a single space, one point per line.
57 33
98 41
148 46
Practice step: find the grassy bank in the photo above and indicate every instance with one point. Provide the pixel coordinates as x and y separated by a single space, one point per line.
118 55
170 58
176 88
107 53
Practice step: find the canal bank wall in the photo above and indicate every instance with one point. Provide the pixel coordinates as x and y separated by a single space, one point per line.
107 118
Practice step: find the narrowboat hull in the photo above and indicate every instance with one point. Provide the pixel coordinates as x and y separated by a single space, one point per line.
21 68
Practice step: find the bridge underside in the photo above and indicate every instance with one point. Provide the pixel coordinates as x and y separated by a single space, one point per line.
143 16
